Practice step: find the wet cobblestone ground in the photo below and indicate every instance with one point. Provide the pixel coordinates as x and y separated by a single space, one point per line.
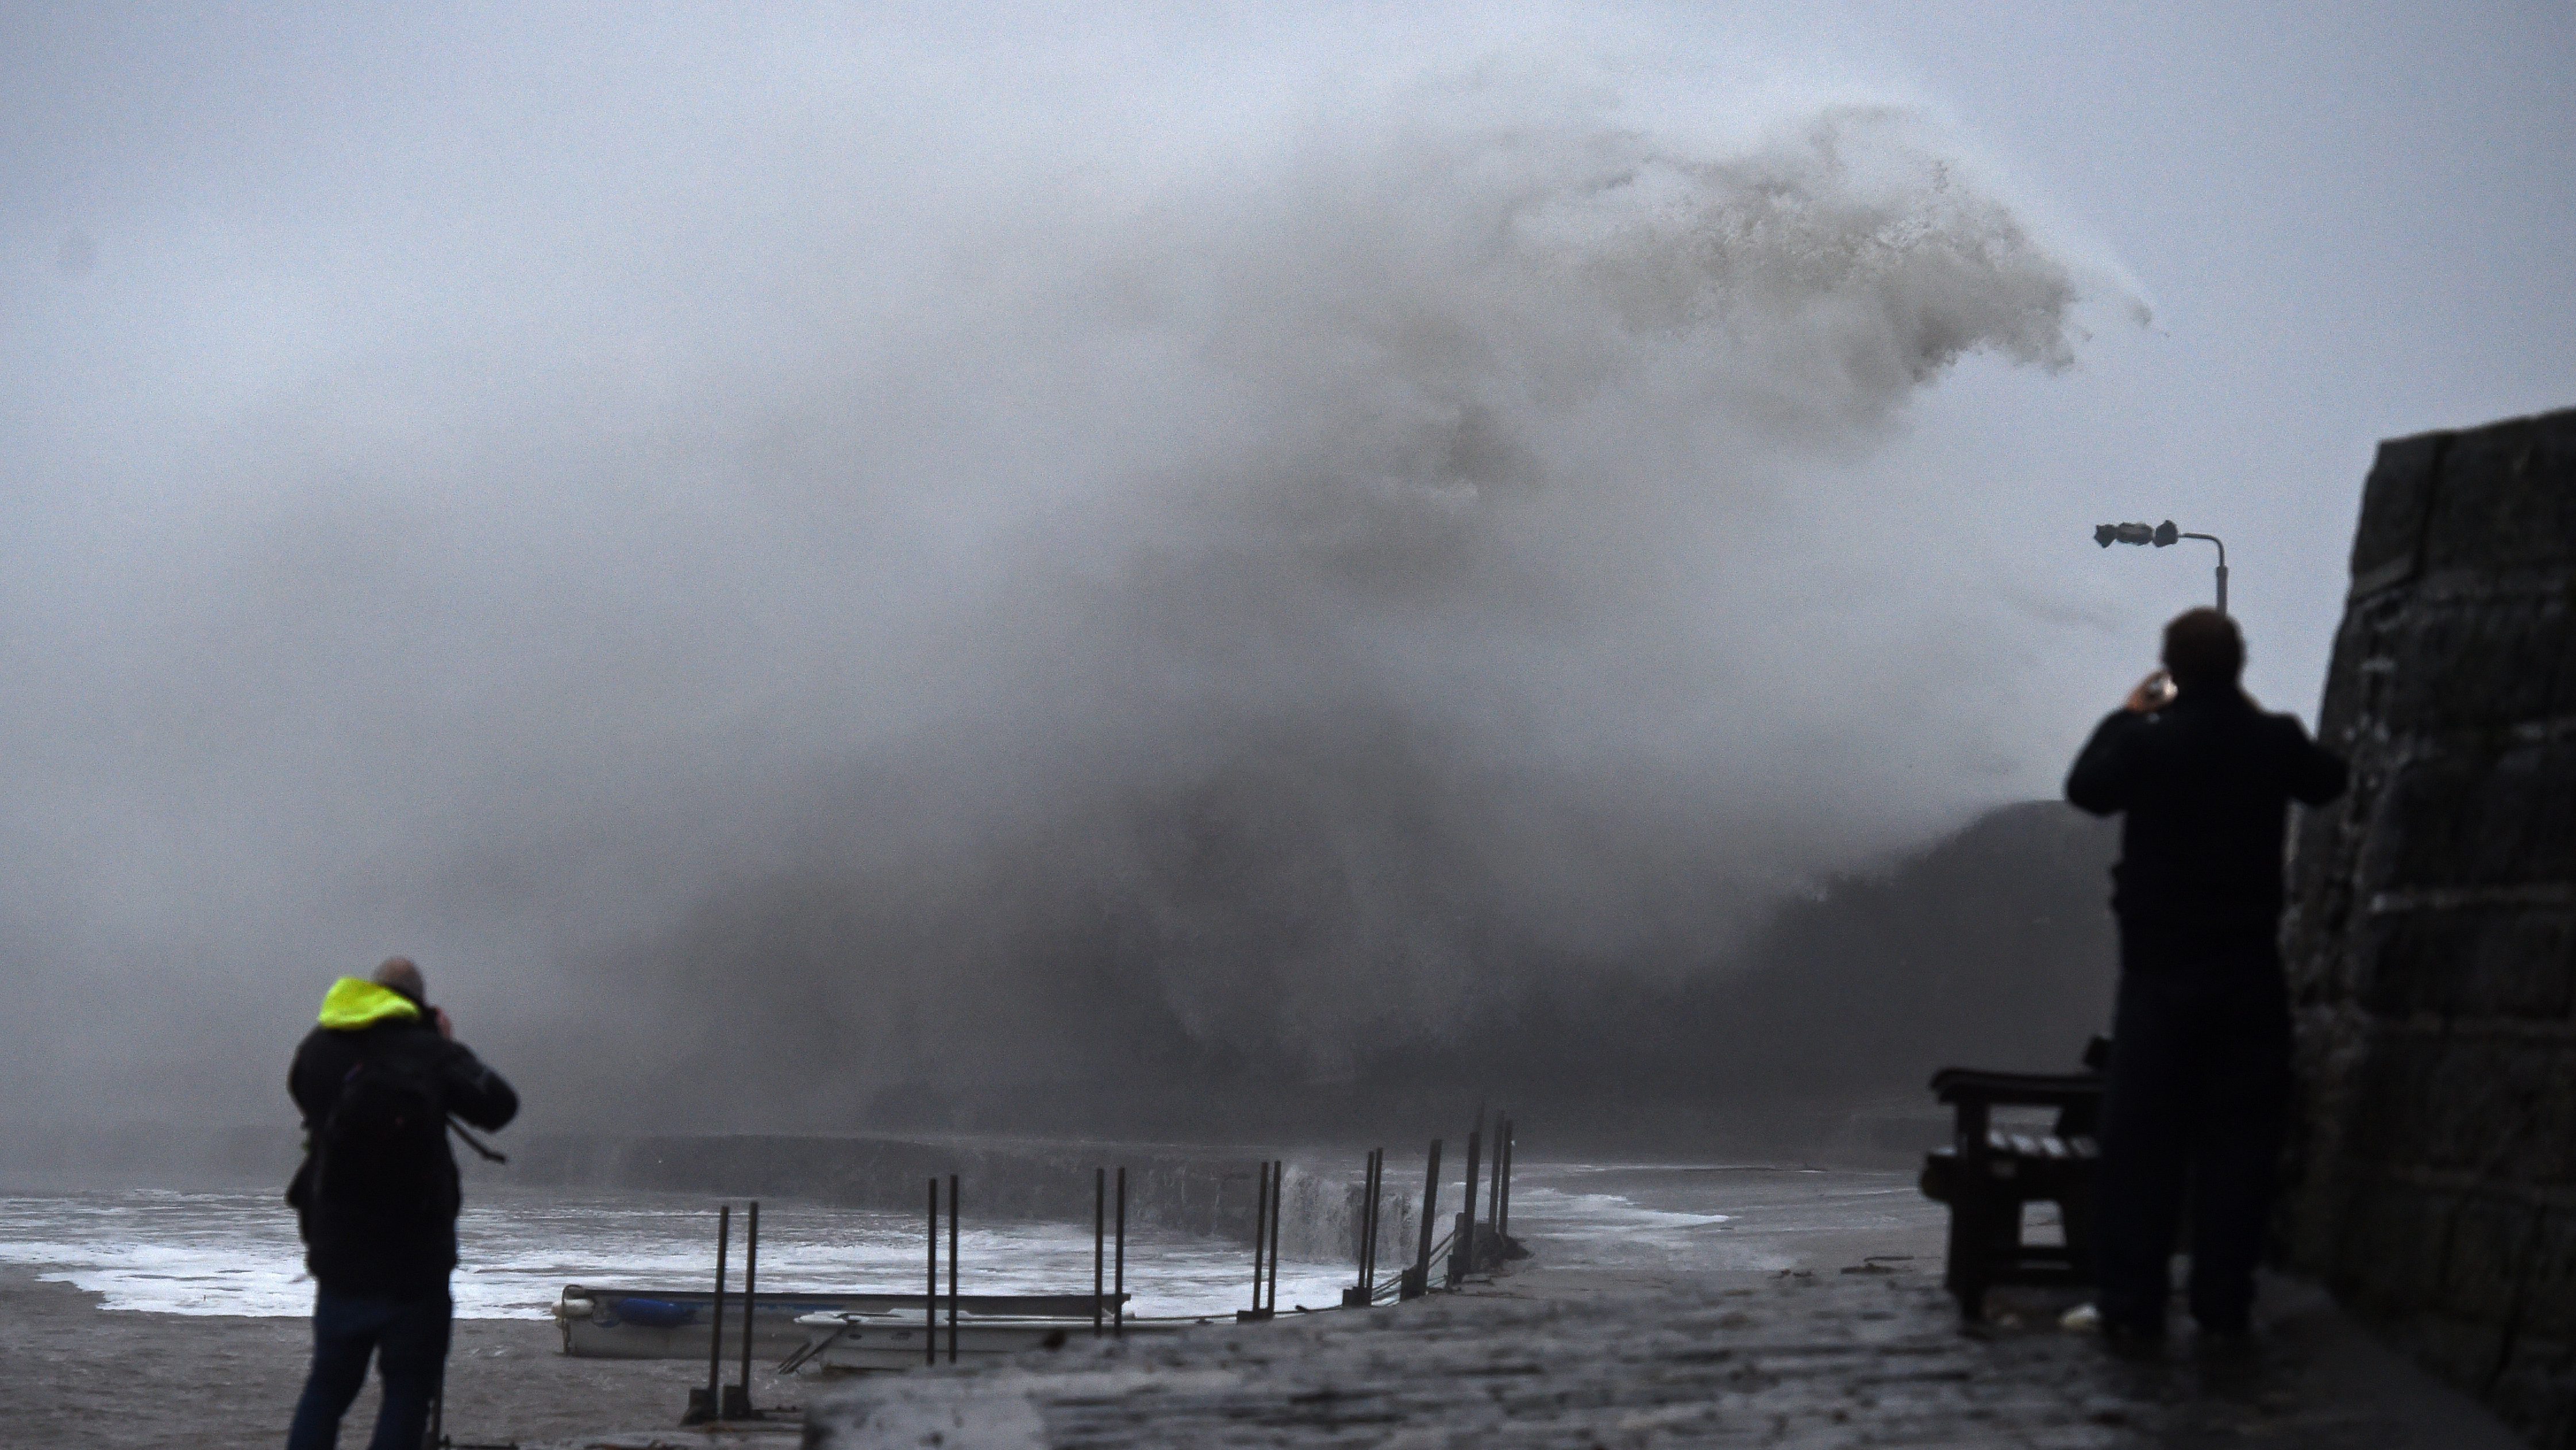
1810 1359
1547 1357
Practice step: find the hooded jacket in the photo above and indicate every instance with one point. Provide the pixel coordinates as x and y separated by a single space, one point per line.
351 1249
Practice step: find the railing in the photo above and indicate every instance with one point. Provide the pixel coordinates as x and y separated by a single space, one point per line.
1457 1247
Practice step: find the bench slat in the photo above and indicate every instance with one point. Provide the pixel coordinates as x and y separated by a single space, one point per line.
2037 1147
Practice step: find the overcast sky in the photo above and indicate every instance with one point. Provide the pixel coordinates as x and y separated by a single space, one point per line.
451 460
2355 222
2352 221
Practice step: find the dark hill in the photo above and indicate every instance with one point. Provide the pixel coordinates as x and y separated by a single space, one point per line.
1992 946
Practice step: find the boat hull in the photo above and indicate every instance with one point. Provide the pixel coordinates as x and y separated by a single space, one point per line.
649 1323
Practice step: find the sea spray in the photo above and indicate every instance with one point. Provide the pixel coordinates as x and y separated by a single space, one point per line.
860 570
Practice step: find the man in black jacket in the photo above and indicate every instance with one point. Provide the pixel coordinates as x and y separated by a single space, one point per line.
2199 1075
377 1196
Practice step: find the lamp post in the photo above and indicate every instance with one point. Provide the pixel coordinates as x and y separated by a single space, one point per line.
2161 535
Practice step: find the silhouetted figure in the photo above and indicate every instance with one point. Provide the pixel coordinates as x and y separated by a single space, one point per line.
2199 1075
377 1196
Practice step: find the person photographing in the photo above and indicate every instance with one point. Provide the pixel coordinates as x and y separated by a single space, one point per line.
376 1197
2199 1075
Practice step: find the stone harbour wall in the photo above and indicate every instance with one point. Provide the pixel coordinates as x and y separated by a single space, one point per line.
2431 942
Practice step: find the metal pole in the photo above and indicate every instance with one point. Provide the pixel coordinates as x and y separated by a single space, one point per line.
1368 1186
1503 1224
952 1268
1462 1252
930 1291
1099 1242
715 1321
1430 1210
1376 1212
2222 568
750 1291
1118 1289
1369 1224
1260 1230
1494 1188
1278 1185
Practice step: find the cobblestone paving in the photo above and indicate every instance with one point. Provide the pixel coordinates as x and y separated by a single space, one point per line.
1819 1359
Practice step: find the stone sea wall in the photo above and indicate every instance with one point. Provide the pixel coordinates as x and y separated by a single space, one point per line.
2432 943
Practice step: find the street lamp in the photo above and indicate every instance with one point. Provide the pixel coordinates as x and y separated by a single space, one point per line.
2162 535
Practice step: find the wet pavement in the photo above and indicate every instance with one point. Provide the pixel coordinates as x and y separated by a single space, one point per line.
1701 1306
1875 1356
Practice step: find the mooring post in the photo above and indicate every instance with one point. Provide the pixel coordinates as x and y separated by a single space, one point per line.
1417 1280
1099 1243
738 1404
1462 1247
930 1290
1278 1192
952 1268
1118 1287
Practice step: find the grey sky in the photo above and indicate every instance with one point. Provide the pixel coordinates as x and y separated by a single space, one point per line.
473 480
2354 221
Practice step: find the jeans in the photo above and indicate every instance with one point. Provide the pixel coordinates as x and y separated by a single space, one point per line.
407 1337
2196 1094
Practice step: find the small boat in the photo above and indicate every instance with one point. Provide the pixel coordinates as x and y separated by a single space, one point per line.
646 1323
848 1341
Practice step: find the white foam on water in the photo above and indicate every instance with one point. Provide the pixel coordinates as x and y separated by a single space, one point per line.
237 1253
1570 1227
1543 1209
1678 1218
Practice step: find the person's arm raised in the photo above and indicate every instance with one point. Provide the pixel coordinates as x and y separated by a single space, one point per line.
2105 771
473 1092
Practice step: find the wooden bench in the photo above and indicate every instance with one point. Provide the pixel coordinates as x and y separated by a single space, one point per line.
1987 1174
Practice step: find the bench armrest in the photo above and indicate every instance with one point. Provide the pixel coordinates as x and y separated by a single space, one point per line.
1961 1085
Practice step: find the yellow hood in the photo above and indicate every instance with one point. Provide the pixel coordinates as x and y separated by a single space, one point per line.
353 1003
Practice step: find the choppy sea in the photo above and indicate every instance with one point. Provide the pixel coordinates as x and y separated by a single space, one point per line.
235 1251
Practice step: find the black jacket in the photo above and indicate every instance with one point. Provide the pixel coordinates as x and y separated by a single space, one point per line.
348 1250
2205 784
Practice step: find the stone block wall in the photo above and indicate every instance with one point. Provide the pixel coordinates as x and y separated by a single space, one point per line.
2431 941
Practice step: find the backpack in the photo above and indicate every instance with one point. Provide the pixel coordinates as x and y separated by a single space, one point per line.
381 1152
